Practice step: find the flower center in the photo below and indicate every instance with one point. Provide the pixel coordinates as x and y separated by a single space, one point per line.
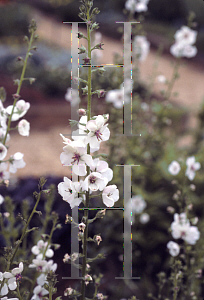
18 277
92 179
76 158
98 134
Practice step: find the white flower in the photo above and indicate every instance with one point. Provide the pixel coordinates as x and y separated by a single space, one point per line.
180 50
138 204
72 96
119 95
192 166
17 162
24 127
75 154
1 199
110 195
40 248
161 78
141 47
136 5
12 277
144 218
39 292
98 132
20 109
174 168
186 36
4 175
102 167
174 248
3 151
38 263
69 191
184 40
95 181
181 229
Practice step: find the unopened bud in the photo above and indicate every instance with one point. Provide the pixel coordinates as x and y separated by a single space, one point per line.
81 112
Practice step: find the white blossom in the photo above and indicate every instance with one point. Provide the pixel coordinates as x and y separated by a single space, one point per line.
174 248
20 109
174 168
69 191
17 162
161 78
24 127
3 151
144 218
98 132
110 195
184 40
75 154
186 36
192 166
181 229
12 277
136 5
4 175
72 96
94 181
1 199
39 292
101 166
141 47
40 248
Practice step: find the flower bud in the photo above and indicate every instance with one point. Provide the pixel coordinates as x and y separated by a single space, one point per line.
81 112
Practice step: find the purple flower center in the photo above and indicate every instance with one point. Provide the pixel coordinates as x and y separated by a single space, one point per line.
92 179
76 157
98 134
18 277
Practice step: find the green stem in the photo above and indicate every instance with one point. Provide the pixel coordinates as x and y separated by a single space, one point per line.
19 84
22 236
88 168
18 292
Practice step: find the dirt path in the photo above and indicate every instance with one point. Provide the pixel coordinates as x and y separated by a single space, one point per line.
42 149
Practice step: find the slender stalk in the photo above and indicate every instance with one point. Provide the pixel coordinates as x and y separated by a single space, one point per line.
22 236
88 169
19 84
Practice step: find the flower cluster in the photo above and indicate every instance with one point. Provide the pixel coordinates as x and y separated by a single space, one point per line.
16 112
10 279
192 166
181 228
184 40
136 205
136 5
42 266
91 132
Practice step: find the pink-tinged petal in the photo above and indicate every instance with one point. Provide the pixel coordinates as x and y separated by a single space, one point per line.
100 121
79 170
106 134
102 166
91 125
66 158
108 201
49 253
35 250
